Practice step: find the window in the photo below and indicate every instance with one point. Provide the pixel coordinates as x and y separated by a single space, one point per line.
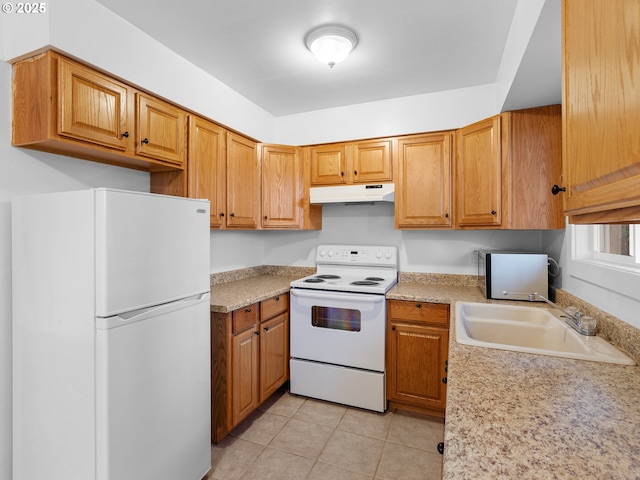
617 244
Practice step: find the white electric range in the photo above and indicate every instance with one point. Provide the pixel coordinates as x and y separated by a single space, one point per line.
337 325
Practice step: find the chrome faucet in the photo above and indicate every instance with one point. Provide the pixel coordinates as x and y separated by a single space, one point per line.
577 320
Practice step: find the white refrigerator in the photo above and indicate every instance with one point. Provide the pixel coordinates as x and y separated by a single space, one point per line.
111 342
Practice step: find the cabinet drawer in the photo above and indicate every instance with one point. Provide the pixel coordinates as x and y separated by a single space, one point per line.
437 313
244 318
274 306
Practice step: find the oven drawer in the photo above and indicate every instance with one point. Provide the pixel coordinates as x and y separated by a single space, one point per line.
274 306
245 317
436 313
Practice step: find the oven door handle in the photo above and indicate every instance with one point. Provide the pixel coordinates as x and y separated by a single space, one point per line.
325 295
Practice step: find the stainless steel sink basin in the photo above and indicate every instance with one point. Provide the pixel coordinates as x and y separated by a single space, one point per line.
530 330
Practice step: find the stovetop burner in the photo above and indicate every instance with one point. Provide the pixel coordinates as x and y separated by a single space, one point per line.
375 279
328 277
313 280
365 282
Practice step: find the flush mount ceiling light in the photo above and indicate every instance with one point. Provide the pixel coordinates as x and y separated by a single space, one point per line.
331 44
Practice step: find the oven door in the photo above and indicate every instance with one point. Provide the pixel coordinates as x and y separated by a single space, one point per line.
338 327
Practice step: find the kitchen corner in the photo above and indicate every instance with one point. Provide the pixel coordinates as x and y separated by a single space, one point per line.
508 414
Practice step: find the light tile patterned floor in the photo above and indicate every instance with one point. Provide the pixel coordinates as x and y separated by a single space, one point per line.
295 438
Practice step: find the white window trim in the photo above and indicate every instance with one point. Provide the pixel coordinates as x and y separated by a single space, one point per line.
619 278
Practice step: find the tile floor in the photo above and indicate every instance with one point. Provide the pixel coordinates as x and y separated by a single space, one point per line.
292 437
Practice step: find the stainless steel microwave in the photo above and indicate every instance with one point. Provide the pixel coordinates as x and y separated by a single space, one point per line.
512 275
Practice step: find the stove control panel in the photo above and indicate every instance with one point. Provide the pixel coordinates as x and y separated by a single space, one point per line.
361 255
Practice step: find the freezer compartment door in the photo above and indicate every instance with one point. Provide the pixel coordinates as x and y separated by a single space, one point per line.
150 249
153 396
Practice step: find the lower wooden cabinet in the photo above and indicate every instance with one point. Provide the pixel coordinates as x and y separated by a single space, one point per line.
249 360
417 351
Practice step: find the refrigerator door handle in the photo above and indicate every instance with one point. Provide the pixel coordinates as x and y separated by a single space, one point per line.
127 318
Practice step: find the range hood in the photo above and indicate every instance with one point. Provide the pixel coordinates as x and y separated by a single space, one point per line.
375 192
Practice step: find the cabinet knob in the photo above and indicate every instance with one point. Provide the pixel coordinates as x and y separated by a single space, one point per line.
125 134
493 212
248 310
393 328
342 174
556 189
446 215
277 298
265 217
221 214
266 329
232 215
146 140
257 332
355 172
444 380
418 305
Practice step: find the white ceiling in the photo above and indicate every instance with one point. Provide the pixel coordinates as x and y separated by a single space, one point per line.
406 47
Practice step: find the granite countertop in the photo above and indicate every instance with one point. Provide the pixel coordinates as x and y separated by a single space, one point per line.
509 414
524 416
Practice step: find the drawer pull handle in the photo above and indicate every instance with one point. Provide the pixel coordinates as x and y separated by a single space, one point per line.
277 299
248 310
444 380
418 305
125 134
146 141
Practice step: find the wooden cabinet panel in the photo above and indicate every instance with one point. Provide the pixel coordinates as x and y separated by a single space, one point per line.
371 162
63 107
423 182
417 350
282 187
274 354
245 317
601 117
479 174
93 106
249 360
243 182
207 166
245 374
161 130
505 169
328 164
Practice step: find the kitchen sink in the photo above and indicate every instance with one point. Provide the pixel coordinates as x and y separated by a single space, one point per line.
531 330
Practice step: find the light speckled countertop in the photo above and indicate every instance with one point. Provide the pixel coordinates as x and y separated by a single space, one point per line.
511 415
522 416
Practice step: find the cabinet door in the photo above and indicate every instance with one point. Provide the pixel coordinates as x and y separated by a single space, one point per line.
92 107
244 359
601 110
416 364
371 162
282 185
479 174
207 166
274 354
161 130
243 182
423 182
328 165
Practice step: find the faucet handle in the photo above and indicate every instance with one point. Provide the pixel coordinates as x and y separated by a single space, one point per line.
574 312
587 324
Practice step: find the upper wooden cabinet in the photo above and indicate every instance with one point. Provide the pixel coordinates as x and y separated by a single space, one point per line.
61 106
355 162
505 169
207 166
282 187
423 181
601 117
161 130
243 182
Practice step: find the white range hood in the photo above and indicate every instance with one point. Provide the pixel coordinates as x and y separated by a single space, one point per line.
375 192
